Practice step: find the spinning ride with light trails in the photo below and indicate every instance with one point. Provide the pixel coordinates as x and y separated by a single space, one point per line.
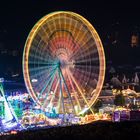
64 63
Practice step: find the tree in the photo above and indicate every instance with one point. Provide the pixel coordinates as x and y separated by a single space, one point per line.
119 100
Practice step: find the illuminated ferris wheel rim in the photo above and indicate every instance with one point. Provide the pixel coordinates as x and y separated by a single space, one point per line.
98 44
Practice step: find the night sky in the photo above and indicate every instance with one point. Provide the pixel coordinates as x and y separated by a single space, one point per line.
119 19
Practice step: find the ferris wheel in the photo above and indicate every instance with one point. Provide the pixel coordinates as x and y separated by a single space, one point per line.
64 63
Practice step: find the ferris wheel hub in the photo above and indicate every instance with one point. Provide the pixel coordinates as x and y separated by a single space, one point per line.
63 63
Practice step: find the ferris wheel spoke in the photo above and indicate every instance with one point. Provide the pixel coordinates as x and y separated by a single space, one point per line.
86 65
42 77
45 57
42 59
46 52
82 72
81 40
48 28
65 22
53 46
35 53
86 74
78 47
42 63
42 73
82 77
42 33
54 24
83 64
77 31
75 25
89 71
59 22
79 89
71 43
41 53
51 76
87 60
83 53
71 38
74 50
61 93
66 88
59 102
35 69
53 96
89 42
87 53
38 52
43 69
85 68
83 49
49 89
78 102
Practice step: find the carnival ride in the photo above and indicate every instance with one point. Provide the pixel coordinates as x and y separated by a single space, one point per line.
8 117
64 63
63 68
